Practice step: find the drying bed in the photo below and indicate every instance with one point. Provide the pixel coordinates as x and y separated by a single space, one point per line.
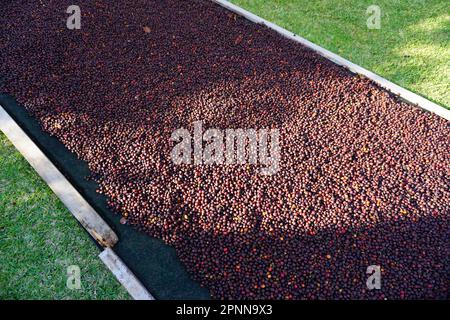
363 177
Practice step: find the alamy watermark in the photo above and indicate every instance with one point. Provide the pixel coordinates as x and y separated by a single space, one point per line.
374 17
73 277
74 20
374 280
229 146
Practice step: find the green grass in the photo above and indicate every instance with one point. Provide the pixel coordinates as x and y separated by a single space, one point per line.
412 48
39 239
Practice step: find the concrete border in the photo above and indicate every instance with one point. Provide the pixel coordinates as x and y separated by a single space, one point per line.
124 275
77 205
95 225
392 87
71 198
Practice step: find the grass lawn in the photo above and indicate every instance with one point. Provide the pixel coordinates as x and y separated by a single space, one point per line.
412 48
39 239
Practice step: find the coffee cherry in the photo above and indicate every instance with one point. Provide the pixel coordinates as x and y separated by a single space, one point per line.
363 180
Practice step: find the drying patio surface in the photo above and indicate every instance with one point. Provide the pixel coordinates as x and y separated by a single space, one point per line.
363 176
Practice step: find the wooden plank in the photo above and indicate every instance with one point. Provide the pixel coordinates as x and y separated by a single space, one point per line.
392 87
124 275
69 196
76 204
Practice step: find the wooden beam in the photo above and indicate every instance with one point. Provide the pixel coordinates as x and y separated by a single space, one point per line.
69 196
407 95
124 275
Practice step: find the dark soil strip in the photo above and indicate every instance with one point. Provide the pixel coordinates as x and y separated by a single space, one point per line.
364 177
154 263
